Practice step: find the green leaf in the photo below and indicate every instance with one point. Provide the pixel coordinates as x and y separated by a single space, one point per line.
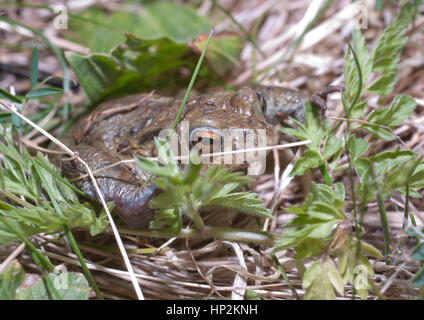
383 85
152 167
33 74
157 19
8 96
314 129
223 51
252 295
322 230
334 275
169 219
44 218
418 279
332 145
396 154
10 279
317 283
60 190
351 72
246 202
137 66
358 110
400 109
43 92
69 285
417 253
386 52
356 147
311 159
7 235
371 250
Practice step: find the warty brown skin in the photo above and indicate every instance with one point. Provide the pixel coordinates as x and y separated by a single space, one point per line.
104 139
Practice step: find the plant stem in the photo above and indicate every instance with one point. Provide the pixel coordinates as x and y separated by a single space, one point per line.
406 207
193 78
283 273
383 216
85 269
325 175
230 234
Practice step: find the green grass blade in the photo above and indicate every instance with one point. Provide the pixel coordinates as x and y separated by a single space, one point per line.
33 76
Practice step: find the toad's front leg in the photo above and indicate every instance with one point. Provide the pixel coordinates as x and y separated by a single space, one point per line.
117 184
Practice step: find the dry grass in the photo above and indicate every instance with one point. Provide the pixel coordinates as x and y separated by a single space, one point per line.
208 268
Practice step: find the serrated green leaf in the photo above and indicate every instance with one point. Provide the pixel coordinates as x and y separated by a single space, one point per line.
400 109
246 202
311 159
44 218
151 167
383 85
386 52
314 128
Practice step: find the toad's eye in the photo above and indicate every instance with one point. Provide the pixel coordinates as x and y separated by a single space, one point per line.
262 102
206 138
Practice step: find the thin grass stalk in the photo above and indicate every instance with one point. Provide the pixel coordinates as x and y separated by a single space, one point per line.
186 95
231 234
81 259
283 273
406 207
190 86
